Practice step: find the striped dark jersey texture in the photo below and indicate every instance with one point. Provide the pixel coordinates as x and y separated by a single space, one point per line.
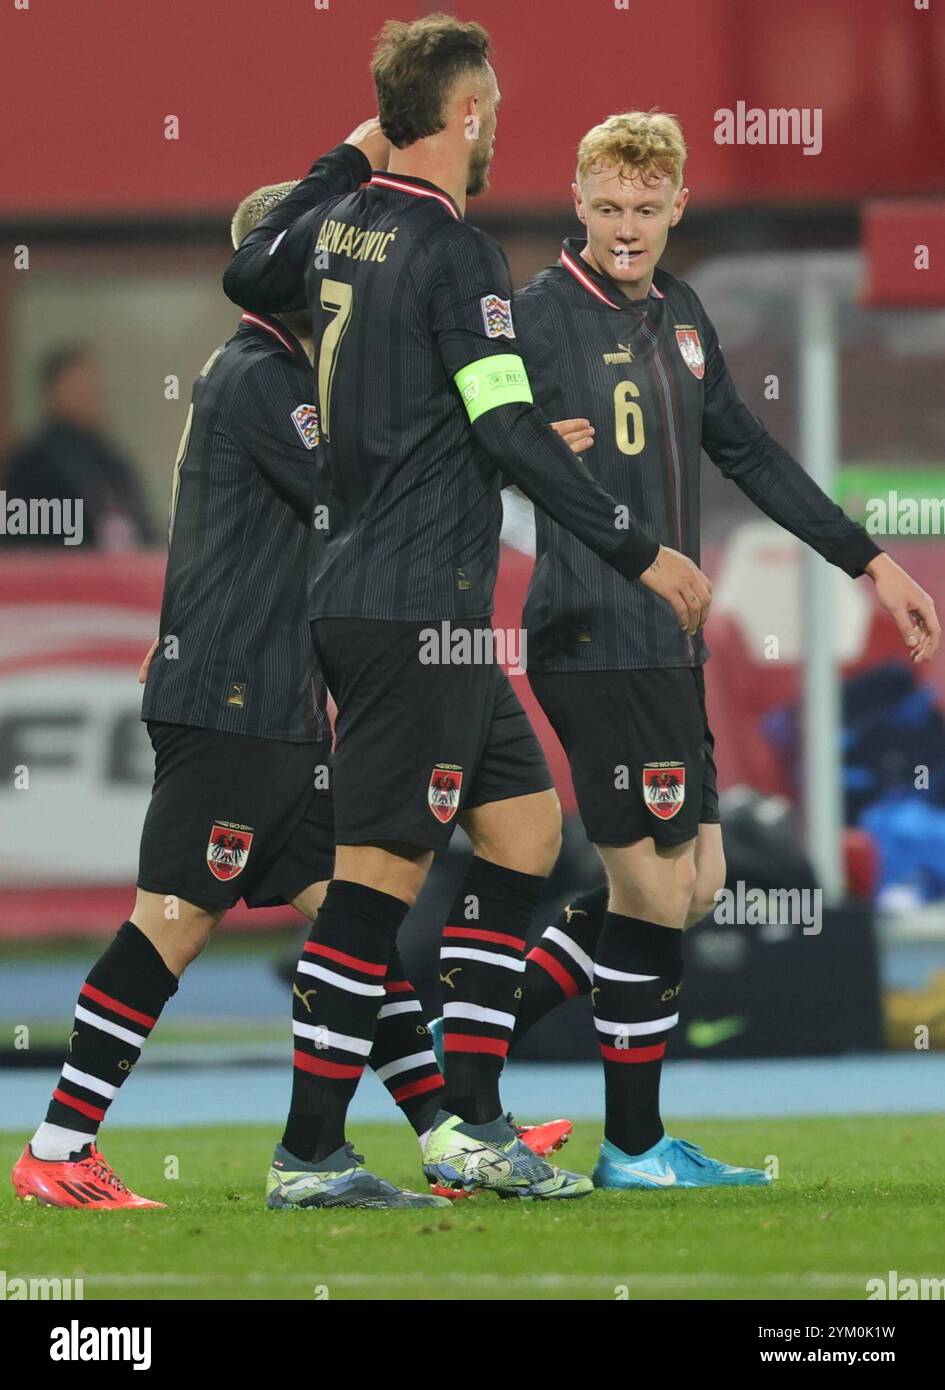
235 652
404 294
650 376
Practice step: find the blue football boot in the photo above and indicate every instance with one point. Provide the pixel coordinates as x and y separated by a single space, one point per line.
670 1163
435 1026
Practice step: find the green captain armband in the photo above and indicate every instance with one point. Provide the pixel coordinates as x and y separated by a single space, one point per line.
493 381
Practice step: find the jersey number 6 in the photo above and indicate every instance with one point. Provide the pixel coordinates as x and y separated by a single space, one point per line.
628 418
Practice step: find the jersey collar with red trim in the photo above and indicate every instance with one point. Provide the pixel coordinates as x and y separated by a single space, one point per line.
593 281
264 323
418 188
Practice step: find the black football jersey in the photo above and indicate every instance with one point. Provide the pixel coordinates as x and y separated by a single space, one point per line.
650 376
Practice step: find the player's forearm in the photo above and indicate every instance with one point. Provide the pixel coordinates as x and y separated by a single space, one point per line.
740 446
777 484
531 455
268 277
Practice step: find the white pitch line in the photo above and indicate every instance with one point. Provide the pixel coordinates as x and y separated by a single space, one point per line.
635 1279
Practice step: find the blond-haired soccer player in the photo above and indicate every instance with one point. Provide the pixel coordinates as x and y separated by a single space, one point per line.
610 337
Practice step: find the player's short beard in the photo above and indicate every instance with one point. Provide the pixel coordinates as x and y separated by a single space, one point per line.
477 178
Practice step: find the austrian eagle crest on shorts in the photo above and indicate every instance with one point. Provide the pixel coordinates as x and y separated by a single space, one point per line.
446 779
664 788
228 849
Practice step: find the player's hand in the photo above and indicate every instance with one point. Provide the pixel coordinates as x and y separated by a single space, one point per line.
372 142
909 605
146 664
577 434
683 585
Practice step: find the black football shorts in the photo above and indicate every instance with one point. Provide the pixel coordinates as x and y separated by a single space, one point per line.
232 816
417 742
640 750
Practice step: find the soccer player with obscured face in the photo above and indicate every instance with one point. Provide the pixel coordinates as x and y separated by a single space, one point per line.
627 354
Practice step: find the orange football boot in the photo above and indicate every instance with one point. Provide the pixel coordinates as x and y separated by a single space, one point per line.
546 1138
86 1180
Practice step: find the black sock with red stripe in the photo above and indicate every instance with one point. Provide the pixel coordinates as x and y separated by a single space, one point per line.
118 1006
481 969
561 965
402 1056
637 980
337 995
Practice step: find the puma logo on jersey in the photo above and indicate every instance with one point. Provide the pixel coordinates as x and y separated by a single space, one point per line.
304 997
447 978
570 912
621 358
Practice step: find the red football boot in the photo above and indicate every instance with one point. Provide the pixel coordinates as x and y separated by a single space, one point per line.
455 1194
85 1181
546 1138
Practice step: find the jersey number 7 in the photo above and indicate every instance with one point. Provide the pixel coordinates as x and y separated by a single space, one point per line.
338 299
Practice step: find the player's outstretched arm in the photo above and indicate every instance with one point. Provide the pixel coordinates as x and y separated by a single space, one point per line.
267 273
774 480
912 609
740 446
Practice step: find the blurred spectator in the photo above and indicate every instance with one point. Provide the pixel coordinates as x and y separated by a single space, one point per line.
70 457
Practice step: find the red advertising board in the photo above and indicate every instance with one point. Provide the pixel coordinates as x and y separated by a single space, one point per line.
89 94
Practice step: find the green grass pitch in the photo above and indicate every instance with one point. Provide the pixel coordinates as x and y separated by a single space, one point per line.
856 1197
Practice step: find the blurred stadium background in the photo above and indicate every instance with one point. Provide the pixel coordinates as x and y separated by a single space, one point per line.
806 265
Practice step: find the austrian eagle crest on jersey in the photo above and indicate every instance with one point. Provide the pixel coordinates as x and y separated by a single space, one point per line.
690 345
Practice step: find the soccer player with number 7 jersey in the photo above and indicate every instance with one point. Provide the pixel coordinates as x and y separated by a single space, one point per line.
626 354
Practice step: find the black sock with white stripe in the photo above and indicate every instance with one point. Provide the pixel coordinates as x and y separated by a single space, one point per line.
118 1006
561 965
481 969
337 995
637 980
402 1056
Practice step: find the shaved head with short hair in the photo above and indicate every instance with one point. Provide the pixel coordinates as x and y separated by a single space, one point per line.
254 207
